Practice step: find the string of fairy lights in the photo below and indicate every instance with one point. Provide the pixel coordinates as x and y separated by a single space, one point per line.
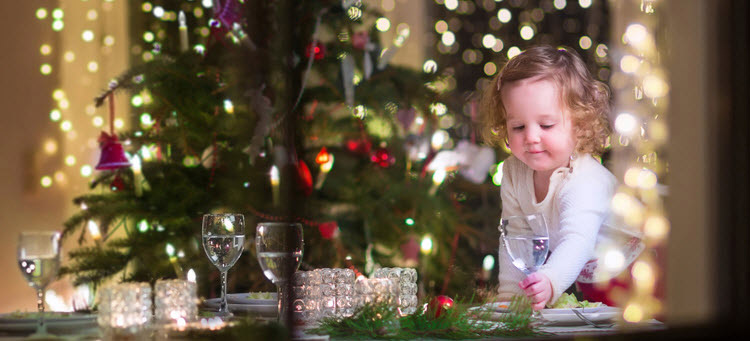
640 85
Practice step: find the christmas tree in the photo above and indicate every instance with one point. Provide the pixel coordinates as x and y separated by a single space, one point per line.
285 111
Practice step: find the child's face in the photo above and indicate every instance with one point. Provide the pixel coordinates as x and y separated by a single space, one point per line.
540 133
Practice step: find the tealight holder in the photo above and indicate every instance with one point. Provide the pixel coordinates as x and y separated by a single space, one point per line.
407 284
175 301
124 309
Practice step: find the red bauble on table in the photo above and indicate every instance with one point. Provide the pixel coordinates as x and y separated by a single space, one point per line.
439 305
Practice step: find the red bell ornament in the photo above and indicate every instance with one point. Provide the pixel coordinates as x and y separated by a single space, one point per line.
113 156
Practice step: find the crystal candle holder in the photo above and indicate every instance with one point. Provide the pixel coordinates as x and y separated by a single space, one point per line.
407 283
124 308
175 301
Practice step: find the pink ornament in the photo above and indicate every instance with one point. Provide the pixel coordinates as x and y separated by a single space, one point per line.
113 156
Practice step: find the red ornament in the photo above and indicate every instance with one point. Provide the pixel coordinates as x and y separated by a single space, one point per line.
360 146
304 178
440 304
113 156
329 230
117 184
319 51
360 40
383 157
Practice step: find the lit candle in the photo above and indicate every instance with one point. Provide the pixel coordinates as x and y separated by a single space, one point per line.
94 230
183 32
437 179
324 169
275 184
137 175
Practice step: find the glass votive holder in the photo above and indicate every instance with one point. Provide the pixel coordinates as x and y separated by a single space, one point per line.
125 308
175 301
375 291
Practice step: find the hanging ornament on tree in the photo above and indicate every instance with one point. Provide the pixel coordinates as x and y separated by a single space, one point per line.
360 40
112 156
359 146
117 184
304 178
316 49
328 230
383 157
406 117
439 305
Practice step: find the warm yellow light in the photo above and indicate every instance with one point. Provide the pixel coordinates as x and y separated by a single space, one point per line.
601 50
92 66
429 66
45 69
41 13
87 35
86 171
191 277
97 121
439 138
45 49
439 109
633 313
448 38
643 274
63 103
92 14
441 26
50 146
70 160
656 227
60 176
626 123
654 86
108 40
383 24
488 41
451 5
69 56
513 51
66 125
584 3
46 181
119 123
504 15
55 115
426 245
560 4
526 32
629 64
439 176
635 34
585 42
58 25
614 260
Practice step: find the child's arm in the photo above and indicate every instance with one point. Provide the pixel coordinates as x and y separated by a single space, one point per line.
584 205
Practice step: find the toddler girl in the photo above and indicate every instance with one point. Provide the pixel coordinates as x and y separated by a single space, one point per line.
552 114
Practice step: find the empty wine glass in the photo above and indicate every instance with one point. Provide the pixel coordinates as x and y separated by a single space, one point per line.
526 239
39 260
279 246
223 241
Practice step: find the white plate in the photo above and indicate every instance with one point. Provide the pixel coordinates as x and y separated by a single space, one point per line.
601 314
55 325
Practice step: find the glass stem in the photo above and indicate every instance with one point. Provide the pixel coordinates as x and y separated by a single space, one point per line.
41 328
283 303
223 306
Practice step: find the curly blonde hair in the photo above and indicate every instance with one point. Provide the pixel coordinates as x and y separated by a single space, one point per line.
587 99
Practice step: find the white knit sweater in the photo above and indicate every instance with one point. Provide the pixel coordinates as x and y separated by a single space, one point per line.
576 205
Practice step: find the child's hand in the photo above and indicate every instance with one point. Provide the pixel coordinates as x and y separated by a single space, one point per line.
538 288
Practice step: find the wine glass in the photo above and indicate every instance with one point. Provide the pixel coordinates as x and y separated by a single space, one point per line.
279 246
223 241
526 239
39 260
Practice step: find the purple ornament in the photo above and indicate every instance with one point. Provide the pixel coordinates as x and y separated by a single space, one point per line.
406 117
